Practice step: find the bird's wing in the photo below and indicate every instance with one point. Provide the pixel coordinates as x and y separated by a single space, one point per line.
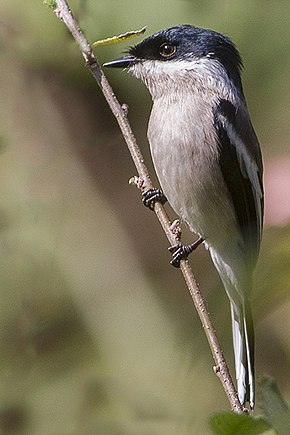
241 165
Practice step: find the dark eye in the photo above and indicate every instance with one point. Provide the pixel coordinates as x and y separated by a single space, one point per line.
167 50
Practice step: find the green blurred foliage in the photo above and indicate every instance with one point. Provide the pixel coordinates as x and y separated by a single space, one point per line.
229 423
98 333
275 421
275 407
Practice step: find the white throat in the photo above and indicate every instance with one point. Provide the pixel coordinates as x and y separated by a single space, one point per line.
174 78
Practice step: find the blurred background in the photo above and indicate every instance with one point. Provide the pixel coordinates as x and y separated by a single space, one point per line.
98 334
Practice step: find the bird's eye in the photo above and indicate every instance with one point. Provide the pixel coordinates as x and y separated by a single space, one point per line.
167 50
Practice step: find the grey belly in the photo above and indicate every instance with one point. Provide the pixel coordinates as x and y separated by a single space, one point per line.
193 184
186 161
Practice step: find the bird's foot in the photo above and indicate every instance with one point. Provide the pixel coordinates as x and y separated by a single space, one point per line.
181 252
151 196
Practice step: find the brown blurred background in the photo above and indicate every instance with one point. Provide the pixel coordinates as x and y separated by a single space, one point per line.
98 334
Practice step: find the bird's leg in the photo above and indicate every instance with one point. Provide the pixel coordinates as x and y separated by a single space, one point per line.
181 252
151 196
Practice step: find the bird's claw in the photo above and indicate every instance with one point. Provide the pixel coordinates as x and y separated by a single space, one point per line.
151 196
181 252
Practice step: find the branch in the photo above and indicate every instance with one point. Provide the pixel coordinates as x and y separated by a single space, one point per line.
221 369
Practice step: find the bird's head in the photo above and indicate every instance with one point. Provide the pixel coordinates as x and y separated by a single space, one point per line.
183 53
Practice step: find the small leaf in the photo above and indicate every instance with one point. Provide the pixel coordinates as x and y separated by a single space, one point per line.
275 407
119 38
50 3
231 423
133 181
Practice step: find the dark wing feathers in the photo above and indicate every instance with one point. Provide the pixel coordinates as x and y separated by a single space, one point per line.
241 165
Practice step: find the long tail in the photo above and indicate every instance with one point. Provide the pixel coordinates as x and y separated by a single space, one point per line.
243 339
242 326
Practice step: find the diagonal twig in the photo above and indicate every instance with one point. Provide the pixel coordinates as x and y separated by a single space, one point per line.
63 11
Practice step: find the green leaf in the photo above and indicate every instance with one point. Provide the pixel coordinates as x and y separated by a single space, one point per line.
120 38
51 4
231 423
275 407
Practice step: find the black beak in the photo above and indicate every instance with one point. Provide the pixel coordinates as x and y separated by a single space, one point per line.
122 62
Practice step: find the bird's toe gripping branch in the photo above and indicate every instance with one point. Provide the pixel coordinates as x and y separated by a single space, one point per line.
151 196
181 252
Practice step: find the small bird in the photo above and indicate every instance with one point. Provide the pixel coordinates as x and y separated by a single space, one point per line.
208 161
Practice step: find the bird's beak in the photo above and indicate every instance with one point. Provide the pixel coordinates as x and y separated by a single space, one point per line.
122 62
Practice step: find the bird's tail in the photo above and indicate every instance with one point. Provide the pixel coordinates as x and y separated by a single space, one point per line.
243 339
242 326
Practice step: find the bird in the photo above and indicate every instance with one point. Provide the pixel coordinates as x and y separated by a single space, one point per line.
208 161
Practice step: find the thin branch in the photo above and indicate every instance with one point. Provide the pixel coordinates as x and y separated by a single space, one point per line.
221 369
